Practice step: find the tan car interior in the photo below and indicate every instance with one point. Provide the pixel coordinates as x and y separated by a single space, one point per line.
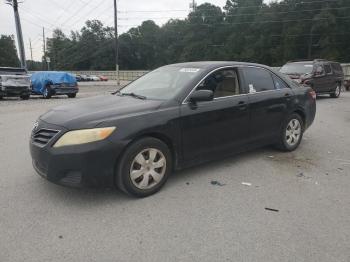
228 86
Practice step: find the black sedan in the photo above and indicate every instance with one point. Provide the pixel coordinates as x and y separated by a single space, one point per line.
174 117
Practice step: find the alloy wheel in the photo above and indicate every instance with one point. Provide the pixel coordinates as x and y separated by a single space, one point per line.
337 91
293 132
148 168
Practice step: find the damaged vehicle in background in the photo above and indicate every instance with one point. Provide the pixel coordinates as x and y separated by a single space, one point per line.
325 77
14 82
50 83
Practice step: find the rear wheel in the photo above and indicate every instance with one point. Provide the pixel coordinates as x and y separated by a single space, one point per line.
47 93
291 133
72 95
144 167
336 92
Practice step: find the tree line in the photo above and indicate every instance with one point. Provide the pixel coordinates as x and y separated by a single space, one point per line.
243 30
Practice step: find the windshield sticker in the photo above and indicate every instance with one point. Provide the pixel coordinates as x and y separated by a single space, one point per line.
308 65
189 70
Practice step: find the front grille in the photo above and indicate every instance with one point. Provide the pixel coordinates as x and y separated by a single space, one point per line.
44 136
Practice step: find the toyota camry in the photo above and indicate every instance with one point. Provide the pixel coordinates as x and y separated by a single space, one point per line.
171 118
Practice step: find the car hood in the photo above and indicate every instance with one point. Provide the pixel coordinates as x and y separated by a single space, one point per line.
90 112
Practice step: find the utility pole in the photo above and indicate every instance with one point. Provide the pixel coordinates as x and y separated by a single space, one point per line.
31 53
44 49
309 53
116 40
193 5
22 54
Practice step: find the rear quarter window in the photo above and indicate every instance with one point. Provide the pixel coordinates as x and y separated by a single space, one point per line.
337 68
279 83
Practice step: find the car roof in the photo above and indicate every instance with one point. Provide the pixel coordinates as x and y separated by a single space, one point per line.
215 64
311 61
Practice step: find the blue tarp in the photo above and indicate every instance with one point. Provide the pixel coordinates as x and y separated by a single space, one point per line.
41 79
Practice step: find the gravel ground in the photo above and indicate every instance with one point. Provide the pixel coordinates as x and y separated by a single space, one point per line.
202 214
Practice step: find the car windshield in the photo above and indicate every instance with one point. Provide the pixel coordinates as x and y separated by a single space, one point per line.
297 68
163 83
12 71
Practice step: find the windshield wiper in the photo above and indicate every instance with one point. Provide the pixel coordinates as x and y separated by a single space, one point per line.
134 95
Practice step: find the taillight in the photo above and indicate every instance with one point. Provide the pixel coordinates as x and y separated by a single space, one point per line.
312 94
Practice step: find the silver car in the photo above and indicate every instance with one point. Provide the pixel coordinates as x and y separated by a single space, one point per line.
14 82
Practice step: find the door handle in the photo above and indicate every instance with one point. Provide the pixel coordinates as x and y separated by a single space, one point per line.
242 105
287 96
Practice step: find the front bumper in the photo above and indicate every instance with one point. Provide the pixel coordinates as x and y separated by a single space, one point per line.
14 90
89 165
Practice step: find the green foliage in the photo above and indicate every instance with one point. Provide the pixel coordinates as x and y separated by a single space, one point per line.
8 52
245 30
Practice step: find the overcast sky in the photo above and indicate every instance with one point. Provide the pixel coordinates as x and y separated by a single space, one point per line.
72 14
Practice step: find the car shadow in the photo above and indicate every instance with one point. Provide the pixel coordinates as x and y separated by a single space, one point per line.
229 161
90 197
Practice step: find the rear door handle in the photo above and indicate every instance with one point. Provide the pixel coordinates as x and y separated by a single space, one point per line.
287 95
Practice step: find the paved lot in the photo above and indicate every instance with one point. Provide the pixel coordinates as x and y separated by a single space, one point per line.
191 219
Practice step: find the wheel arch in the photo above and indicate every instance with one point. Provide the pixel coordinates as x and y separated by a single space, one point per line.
302 114
157 135
166 140
162 137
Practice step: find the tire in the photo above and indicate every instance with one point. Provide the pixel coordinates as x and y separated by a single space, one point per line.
25 97
47 92
336 92
291 133
137 159
72 95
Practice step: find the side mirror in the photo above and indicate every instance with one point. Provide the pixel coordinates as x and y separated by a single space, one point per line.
201 96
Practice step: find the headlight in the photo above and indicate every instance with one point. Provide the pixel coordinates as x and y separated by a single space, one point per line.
84 136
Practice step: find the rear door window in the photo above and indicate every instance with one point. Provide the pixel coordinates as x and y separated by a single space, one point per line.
258 79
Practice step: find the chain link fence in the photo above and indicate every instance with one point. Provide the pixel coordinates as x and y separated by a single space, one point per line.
112 75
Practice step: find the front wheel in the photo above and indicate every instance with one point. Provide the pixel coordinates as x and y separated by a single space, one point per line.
72 95
291 133
144 167
336 92
47 92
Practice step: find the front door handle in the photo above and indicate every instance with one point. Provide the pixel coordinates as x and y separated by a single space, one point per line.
242 105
